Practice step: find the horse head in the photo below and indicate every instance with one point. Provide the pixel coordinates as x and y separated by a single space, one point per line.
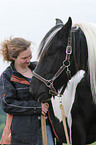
50 61
53 56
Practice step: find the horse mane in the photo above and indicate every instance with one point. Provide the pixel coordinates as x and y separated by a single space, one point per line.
89 31
48 39
79 46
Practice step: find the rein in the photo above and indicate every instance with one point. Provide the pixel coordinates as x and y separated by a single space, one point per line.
66 64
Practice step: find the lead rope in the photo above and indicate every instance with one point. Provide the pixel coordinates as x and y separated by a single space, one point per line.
64 124
63 115
43 127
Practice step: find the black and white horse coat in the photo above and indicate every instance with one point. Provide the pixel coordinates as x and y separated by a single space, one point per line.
80 105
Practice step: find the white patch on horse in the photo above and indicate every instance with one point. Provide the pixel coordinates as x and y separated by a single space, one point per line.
48 40
68 96
67 99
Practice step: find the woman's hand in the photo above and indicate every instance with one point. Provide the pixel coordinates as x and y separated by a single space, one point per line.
45 107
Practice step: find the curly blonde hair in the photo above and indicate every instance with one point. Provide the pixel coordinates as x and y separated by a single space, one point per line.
12 47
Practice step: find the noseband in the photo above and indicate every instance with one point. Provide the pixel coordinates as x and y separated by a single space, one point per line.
65 65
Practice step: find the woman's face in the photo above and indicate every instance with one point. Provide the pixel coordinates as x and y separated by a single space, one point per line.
23 58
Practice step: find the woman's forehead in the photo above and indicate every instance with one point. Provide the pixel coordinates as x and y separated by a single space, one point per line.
25 53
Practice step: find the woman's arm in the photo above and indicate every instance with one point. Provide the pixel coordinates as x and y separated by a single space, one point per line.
11 104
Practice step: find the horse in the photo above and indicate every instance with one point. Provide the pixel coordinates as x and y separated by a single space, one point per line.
65 51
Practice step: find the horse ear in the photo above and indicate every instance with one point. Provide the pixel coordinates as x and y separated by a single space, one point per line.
58 21
68 24
65 29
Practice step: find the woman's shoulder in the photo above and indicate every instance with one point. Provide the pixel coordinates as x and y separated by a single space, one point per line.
6 72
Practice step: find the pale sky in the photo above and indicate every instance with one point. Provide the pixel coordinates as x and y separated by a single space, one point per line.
32 19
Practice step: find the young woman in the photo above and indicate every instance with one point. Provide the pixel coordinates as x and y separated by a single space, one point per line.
21 107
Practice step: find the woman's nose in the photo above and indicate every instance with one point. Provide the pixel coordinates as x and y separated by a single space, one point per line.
28 59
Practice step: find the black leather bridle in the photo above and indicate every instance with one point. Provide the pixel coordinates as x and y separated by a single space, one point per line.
65 65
